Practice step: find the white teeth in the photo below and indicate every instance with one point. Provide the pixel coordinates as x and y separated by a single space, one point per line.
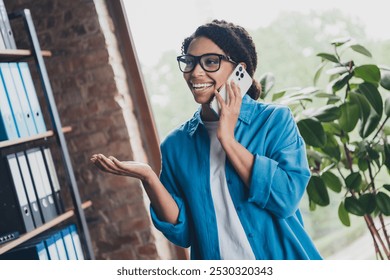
201 85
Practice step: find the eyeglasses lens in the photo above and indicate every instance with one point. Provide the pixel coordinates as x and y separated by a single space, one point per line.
209 62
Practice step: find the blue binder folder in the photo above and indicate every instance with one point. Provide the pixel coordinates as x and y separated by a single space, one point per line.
32 96
21 93
34 251
69 246
13 99
76 241
52 248
8 129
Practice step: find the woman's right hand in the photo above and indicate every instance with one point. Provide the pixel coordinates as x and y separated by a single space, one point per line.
112 165
162 202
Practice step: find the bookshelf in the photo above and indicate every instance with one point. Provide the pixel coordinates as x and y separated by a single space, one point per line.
55 135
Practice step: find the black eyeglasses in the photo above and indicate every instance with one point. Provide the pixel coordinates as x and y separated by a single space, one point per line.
210 62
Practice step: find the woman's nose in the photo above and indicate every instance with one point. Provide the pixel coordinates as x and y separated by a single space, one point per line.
198 70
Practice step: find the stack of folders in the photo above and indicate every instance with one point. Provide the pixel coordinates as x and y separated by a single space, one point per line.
29 190
20 111
7 40
62 244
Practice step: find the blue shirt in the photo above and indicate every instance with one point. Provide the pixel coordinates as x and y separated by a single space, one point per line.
268 209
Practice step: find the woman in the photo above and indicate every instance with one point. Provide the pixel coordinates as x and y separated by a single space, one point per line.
230 186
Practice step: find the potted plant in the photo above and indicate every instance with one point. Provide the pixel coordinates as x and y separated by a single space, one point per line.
345 129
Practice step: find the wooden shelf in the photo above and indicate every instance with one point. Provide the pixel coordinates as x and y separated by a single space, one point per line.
49 133
7 55
29 235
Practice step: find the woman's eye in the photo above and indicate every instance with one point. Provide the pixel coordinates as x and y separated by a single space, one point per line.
211 62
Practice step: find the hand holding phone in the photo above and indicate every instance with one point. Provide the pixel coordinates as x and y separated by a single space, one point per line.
241 78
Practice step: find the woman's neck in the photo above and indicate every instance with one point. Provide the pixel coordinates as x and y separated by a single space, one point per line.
207 114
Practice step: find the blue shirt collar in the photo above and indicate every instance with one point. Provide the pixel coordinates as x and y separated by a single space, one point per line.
246 114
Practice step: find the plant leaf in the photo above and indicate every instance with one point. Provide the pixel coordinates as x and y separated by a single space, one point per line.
332 128
325 113
362 164
340 41
344 215
267 81
317 191
387 187
365 110
353 206
328 56
386 149
312 132
353 181
371 124
332 147
294 100
349 116
383 203
360 49
370 73
387 106
327 95
367 201
332 181
341 81
385 78
373 96
337 70
318 72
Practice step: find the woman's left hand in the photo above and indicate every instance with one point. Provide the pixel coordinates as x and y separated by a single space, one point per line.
230 110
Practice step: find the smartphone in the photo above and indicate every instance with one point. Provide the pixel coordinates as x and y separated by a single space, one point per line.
241 78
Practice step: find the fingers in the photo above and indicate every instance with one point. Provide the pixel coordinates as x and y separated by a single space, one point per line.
118 164
219 98
105 164
234 92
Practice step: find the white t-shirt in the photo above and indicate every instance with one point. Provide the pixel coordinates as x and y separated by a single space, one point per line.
233 242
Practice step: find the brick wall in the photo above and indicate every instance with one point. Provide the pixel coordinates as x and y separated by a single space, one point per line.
92 95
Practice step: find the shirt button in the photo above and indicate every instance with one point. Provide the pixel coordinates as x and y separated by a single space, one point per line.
229 181
250 235
238 208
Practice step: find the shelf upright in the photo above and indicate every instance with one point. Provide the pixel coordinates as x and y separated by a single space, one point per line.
25 14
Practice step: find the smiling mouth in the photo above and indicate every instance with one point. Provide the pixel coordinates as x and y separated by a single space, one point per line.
202 86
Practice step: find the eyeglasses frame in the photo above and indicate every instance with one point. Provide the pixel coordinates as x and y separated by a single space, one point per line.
199 57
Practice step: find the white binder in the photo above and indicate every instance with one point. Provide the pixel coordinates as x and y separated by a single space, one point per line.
54 179
46 182
39 184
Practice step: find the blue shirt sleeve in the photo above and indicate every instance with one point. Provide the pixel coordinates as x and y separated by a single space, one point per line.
279 177
178 233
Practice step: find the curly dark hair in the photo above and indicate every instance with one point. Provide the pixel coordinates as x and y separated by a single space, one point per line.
235 41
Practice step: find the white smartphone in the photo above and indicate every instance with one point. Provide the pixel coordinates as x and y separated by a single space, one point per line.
241 78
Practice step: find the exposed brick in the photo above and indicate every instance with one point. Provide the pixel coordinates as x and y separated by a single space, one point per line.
92 95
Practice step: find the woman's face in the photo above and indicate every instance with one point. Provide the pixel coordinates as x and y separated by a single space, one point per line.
201 83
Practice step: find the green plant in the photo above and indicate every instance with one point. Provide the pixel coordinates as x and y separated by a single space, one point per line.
347 137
